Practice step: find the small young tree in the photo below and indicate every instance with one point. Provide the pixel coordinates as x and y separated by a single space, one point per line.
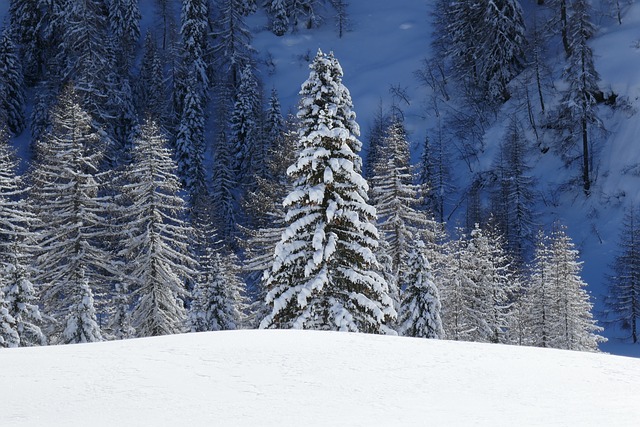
8 333
420 309
324 269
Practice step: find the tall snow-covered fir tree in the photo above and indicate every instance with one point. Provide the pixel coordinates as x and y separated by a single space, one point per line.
12 97
124 22
420 310
72 264
157 253
16 220
324 273
395 196
623 299
150 94
8 333
232 48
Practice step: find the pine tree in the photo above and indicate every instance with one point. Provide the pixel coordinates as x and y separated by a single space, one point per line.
190 143
194 33
577 110
8 334
324 270
232 49
15 248
71 262
279 19
420 310
124 21
395 196
157 255
561 316
150 91
12 98
26 21
218 304
245 127
623 298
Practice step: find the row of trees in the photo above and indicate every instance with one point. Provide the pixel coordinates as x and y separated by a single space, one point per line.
126 250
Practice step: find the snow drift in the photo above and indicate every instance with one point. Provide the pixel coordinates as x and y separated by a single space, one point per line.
296 378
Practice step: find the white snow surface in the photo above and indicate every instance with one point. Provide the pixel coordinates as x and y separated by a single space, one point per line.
304 378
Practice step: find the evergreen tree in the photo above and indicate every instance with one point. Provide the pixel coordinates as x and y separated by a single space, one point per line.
273 133
26 21
15 237
577 110
232 48
277 11
71 262
124 22
324 270
245 127
623 298
12 101
194 33
218 303
420 310
150 91
157 254
561 311
395 196
8 334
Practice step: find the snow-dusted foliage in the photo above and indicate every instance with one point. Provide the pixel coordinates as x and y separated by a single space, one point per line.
477 288
71 261
218 302
245 126
232 47
12 101
81 322
395 197
158 260
324 269
190 142
194 33
561 313
623 299
124 22
15 239
485 41
419 314
8 333
150 92
26 23
577 113
277 11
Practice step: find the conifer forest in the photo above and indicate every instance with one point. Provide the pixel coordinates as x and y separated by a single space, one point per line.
154 181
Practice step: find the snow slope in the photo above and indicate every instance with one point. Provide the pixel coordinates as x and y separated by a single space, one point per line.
296 378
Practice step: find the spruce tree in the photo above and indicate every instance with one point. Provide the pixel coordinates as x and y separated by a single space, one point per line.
157 255
72 264
324 270
124 22
277 11
12 97
420 310
8 333
623 298
218 303
16 243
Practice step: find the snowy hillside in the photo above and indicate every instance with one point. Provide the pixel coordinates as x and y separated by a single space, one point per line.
294 378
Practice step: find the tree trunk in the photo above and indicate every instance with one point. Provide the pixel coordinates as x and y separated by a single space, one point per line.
585 157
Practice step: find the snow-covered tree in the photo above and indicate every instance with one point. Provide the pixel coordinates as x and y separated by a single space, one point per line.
277 11
150 91
15 248
195 44
561 315
12 98
8 333
577 111
324 269
124 22
232 47
157 255
190 143
419 314
245 137
218 302
394 195
72 263
623 298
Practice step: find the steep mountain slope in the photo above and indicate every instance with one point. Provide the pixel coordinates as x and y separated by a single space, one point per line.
294 378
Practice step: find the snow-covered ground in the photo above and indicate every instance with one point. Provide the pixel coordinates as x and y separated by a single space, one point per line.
303 378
